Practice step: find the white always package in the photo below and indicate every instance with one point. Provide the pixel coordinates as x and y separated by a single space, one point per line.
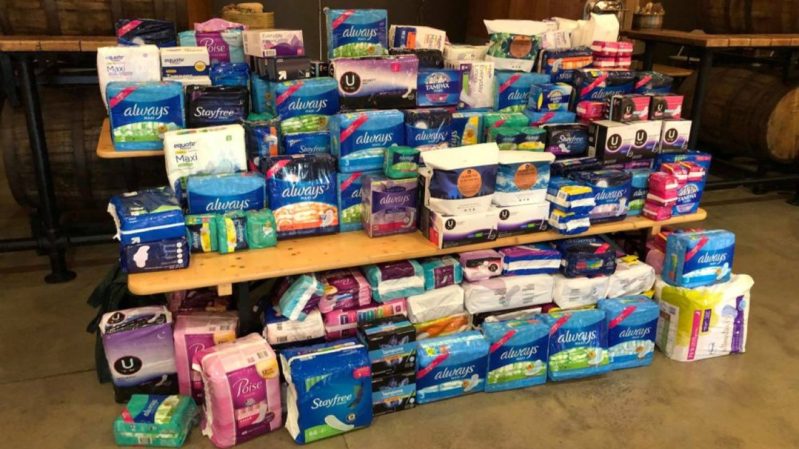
460 180
569 293
135 63
282 331
435 304
632 277
507 292
214 150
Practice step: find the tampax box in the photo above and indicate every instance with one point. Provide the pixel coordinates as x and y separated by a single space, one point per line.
614 142
675 136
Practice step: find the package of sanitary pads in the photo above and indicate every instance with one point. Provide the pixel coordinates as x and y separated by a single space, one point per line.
235 74
139 63
611 193
466 128
146 32
652 83
139 350
666 107
460 180
524 219
525 139
438 87
675 136
435 304
281 331
570 293
185 64
558 61
493 120
703 322
415 36
632 277
350 205
193 333
222 193
568 223
595 85
343 323
578 344
632 323
389 205
201 233
567 139
295 101
563 167
146 216
392 280
292 301
216 105
640 186
696 259
629 108
344 289
550 97
478 84
480 265
509 292
512 89
356 32
428 58
155 420
262 142
391 343
517 354
427 129
441 327
329 389
514 44
222 45
570 196
394 392
441 272
271 43
538 258
376 83
141 112
313 142
522 177
447 231
204 151
167 254
302 194
242 384
359 139
451 366
589 256
549 117
401 162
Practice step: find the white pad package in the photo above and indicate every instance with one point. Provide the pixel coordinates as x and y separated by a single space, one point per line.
135 63
703 322
216 150
569 293
460 180
507 292
434 304
632 277
279 330
600 27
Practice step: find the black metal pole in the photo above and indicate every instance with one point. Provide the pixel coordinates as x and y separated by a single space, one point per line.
649 55
248 321
705 64
47 202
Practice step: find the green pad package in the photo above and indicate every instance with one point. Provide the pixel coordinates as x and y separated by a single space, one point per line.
231 231
261 229
153 420
202 232
401 162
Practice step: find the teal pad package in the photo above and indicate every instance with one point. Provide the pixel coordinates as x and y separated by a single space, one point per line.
451 366
578 344
401 162
356 32
201 229
140 113
260 229
156 421
350 205
517 355
231 231
697 259
632 324
359 139
441 271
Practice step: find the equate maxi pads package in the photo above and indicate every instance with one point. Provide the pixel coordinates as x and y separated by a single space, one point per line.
141 112
537 258
703 322
632 277
356 32
480 265
377 83
435 304
148 215
695 259
359 139
392 280
329 389
341 323
448 325
517 354
139 349
502 293
514 43
155 420
578 344
569 293
242 390
138 63
460 180
344 289
222 193
185 64
441 271
302 194
523 219
450 366
632 322
193 333
522 177
281 331
512 89
203 151
350 205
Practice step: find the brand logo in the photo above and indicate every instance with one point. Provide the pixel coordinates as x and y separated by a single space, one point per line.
356 193
128 365
173 61
359 33
244 386
185 145
577 337
640 137
350 82
609 195
516 353
153 112
195 348
214 114
218 205
714 258
369 139
115 58
555 96
429 135
307 105
637 333
391 200
569 139
212 45
307 191
671 135
339 399
614 142
463 371
517 95
437 86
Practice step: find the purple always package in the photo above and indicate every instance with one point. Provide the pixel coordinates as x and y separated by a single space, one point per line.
389 205
480 265
344 289
595 85
612 190
376 83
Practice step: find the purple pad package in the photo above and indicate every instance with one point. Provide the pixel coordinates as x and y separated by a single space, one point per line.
376 83
389 205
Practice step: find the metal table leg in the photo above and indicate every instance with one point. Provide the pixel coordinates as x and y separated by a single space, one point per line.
245 305
705 64
649 55
47 204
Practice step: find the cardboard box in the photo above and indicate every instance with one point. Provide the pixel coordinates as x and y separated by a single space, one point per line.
524 219
271 43
458 230
394 392
283 69
675 136
615 142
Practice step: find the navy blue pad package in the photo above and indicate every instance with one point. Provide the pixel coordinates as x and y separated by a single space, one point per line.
160 33
612 191
587 257
171 254
216 105
595 85
147 215
429 58
230 74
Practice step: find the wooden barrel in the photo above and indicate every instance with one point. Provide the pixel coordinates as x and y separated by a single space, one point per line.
82 181
750 16
748 113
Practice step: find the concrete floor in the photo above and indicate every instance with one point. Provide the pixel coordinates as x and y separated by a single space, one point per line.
50 397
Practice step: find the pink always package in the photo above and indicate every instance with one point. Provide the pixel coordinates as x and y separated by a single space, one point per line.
344 323
242 390
344 289
663 184
193 333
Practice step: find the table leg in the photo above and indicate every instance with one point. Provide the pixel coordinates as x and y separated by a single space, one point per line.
47 204
791 59
248 319
649 55
705 64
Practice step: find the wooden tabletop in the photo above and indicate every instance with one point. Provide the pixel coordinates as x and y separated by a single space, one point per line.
105 148
75 44
715 40
350 249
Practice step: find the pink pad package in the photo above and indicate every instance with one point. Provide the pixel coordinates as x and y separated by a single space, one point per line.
624 49
660 201
590 110
344 289
678 170
242 390
604 48
199 300
624 62
663 185
696 173
655 212
195 332
481 265
344 323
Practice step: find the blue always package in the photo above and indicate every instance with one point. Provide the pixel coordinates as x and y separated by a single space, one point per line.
313 142
147 216
632 323
167 254
512 89
522 177
427 129
550 117
262 143
450 366
393 280
596 85
302 194
639 188
140 113
578 344
438 87
550 97
359 139
329 389
349 200
216 105
315 96
539 258
230 74
466 128
222 193
441 271
697 259
223 46
652 83
356 32
612 190
146 31
517 355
